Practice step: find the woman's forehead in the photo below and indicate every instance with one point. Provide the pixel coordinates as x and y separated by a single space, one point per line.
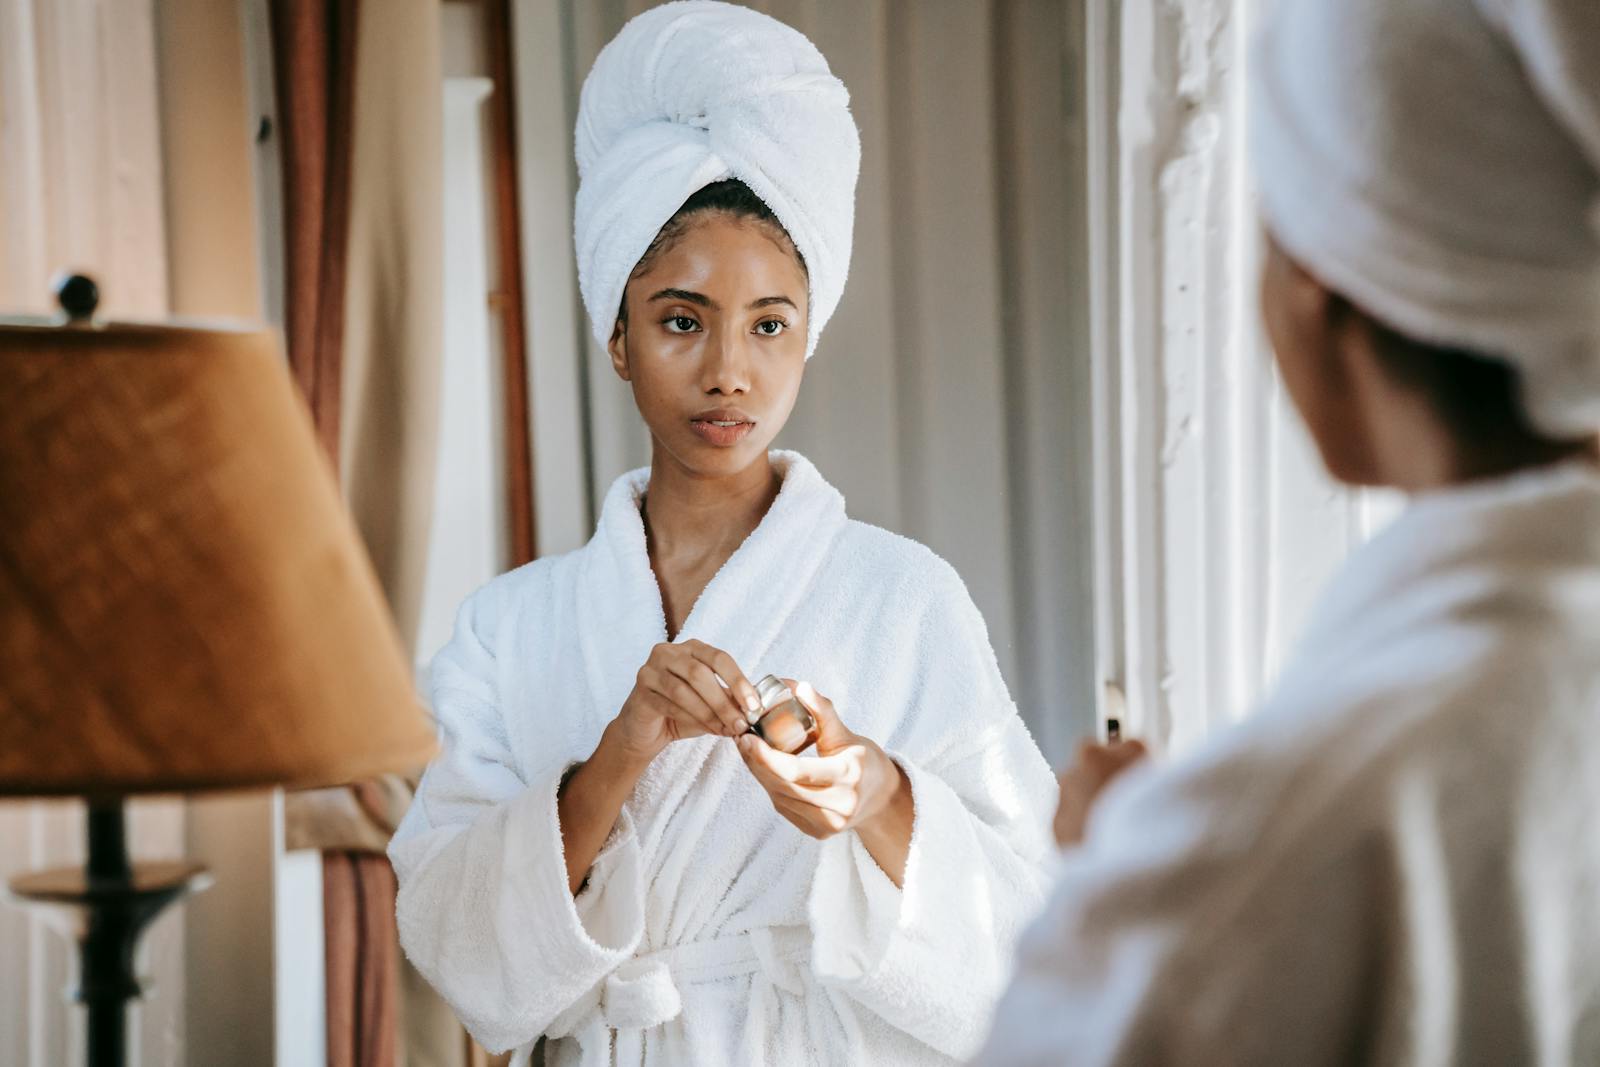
731 260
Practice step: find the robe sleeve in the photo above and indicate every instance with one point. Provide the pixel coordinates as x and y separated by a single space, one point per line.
1217 913
931 959
484 909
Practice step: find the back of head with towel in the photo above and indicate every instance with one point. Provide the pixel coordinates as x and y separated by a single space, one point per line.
1393 860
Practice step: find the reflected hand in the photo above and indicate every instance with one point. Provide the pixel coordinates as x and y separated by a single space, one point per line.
1082 783
678 695
847 785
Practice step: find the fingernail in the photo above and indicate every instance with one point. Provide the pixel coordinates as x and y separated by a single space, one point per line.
752 705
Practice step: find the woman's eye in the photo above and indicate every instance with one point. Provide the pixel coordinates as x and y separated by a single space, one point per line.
771 327
681 324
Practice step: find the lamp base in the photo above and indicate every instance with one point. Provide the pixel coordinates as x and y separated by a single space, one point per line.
105 906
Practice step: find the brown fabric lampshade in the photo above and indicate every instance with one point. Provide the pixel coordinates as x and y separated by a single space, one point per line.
184 602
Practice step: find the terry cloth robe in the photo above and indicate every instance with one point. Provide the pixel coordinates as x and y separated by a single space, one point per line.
1395 861
711 930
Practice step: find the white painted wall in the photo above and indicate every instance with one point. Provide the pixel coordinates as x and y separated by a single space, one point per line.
555 327
300 1031
1217 525
467 542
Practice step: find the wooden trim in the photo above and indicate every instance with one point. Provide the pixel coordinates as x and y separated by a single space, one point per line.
508 301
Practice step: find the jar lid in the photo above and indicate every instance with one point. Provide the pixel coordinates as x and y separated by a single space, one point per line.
773 691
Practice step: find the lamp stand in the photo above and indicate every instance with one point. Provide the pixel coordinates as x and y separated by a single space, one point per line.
105 906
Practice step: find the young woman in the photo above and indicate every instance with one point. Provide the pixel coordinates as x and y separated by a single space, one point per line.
605 856
1394 860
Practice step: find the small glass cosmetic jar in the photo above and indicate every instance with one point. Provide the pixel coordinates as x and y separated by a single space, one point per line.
784 722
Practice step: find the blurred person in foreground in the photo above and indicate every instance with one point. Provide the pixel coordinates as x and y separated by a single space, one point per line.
1394 859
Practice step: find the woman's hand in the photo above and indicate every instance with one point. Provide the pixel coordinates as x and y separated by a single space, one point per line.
1082 783
851 784
678 695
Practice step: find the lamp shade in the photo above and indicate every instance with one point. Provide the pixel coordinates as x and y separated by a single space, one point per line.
184 601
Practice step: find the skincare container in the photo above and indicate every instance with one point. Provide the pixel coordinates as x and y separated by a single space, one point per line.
784 722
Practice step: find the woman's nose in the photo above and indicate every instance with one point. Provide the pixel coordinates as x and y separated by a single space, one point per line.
727 365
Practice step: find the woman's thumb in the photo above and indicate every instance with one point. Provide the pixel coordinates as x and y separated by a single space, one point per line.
822 709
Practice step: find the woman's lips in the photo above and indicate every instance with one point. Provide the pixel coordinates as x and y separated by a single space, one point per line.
722 434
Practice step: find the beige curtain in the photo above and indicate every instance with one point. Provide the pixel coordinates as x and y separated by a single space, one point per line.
387 387
393 328
393 336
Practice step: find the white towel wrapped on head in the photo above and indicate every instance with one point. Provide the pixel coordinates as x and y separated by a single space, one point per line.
695 92
1438 163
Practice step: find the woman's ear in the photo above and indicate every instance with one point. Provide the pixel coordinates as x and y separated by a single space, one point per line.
1317 308
618 348
1300 312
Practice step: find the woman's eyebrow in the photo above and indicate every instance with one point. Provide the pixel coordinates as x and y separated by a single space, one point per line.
688 296
768 301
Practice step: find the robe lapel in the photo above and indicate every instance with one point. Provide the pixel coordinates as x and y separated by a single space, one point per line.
755 594
742 610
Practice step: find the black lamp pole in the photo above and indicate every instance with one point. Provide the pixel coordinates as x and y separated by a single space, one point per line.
108 903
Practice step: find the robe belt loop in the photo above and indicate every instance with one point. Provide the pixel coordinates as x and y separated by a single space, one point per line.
643 992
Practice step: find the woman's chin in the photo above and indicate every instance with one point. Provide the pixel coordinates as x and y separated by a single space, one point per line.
707 460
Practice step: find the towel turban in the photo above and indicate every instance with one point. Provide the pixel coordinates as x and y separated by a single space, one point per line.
695 92
1438 163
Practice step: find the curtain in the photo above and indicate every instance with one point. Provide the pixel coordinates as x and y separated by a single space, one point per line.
393 323
315 53
359 112
393 339
363 959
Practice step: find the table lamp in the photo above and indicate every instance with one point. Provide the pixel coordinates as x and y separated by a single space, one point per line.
185 605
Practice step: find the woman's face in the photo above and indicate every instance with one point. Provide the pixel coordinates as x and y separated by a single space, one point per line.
715 343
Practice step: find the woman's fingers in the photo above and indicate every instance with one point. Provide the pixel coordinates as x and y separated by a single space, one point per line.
683 704
828 787
814 822
817 810
679 726
744 693
820 705
1112 759
842 768
773 775
719 701
1082 783
832 734
796 814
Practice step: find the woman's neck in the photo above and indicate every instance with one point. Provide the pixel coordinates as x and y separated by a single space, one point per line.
1421 454
694 523
1411 447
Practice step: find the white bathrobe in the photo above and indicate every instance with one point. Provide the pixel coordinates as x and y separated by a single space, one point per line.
1395 861
712 931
